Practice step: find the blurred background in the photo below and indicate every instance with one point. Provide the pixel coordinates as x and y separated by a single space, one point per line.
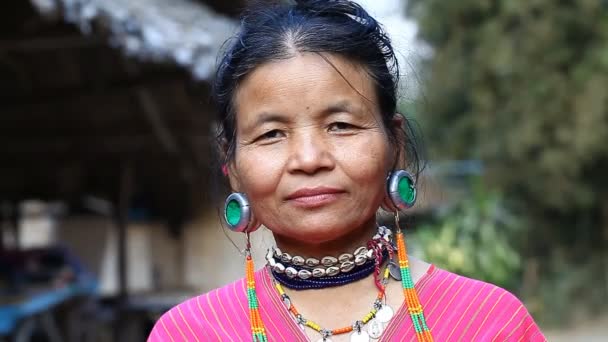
109 185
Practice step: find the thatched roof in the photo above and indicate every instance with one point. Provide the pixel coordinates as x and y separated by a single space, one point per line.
182 31
91 88
98 100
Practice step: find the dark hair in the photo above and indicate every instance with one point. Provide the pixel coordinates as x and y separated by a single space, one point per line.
276 31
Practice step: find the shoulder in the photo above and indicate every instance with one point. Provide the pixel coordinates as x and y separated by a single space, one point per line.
474 310
210 316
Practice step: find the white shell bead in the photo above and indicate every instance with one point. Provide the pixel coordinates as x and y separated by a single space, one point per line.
279 268
285 257
291 272
329 261
297 260
332 271
370 254
360 250
318 272
345 257
312 262
304 274
347 266
360 260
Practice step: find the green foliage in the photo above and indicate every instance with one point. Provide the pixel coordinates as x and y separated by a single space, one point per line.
522 85
474 238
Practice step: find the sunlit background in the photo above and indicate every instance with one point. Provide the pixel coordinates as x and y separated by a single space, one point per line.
109 186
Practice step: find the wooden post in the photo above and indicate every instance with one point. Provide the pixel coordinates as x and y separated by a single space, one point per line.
605 242
4 219
125 192
124 198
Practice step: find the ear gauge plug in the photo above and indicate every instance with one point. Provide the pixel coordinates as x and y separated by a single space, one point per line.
400 191
237 214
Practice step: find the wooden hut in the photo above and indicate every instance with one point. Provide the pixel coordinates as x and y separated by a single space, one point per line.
104 107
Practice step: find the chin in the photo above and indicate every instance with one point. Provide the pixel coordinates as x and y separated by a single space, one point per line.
319 232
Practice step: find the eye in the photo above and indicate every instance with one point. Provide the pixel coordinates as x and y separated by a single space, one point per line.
340 126
270 135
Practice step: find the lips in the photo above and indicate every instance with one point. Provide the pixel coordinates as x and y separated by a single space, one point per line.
314 197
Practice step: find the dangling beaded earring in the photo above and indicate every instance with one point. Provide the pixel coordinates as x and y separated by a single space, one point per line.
401 194
239 218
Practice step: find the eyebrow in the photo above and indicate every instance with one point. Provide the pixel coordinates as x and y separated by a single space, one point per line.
265 117
336 107
341 106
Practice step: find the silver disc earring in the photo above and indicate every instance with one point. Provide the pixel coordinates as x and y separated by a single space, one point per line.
400 191
237 214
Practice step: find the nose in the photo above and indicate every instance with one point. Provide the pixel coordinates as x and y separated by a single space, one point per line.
309 154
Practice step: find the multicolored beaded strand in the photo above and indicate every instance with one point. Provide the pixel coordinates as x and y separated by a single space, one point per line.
423 333
326 333
257 326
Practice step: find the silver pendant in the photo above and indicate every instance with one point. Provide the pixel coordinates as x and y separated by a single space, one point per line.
394 270
385 314
375 328
359 336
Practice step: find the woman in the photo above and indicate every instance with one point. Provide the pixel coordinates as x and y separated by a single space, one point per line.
312 146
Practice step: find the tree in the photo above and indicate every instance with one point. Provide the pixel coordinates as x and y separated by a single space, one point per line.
523 86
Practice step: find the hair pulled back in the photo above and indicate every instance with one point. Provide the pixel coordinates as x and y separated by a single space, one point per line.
281 30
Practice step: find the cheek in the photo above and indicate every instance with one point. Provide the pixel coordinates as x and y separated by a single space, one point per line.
366 161
259 172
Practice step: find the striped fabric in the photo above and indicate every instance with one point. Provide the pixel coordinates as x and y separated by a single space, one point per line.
456 308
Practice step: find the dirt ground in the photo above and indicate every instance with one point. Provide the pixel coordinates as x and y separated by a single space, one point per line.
593 331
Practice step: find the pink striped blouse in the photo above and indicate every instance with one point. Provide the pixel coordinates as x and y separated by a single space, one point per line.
456 309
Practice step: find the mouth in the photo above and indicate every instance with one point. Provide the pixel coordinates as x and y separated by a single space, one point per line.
314 197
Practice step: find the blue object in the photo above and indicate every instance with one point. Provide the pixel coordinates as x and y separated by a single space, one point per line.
36 302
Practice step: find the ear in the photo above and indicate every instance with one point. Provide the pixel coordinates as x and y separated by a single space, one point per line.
398 121
398 124
228 165
233 177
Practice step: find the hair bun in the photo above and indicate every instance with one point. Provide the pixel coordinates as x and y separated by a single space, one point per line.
340 8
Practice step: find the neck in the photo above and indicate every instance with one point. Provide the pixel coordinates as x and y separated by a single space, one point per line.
342 244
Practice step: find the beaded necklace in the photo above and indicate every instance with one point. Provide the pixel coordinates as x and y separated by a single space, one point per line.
324 282
423 332
375 329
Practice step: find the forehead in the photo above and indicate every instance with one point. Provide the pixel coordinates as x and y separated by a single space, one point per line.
304 82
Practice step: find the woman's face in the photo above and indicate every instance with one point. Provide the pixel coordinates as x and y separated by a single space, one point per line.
312 154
